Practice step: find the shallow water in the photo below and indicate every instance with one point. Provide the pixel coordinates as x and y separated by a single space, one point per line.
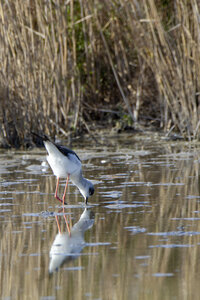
139 237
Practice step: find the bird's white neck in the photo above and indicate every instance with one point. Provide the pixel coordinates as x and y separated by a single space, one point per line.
78 179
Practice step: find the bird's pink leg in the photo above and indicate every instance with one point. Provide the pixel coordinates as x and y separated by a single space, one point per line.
65 190
56 191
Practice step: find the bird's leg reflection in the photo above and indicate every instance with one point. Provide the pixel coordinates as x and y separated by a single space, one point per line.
58 224
66 222
65 189
68 229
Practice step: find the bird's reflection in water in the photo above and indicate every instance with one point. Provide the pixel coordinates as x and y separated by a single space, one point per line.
68 245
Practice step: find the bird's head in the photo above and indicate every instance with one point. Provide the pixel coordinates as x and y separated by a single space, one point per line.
87 190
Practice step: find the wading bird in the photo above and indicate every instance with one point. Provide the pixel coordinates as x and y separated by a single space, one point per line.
65 163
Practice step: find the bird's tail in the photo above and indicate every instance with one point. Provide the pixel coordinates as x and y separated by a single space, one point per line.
39 139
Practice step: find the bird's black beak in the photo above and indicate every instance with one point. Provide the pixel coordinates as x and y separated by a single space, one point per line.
86 200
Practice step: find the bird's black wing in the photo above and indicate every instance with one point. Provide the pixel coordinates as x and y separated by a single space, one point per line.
66 151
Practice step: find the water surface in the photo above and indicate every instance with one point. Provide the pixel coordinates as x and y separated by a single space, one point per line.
139 237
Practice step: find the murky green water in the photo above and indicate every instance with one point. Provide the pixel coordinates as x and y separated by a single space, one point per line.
139 238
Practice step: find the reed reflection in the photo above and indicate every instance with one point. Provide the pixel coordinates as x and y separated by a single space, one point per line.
69 244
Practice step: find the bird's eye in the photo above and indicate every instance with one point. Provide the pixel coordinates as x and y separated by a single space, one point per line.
91 191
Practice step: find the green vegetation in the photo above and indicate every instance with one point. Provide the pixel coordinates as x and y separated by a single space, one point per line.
70 66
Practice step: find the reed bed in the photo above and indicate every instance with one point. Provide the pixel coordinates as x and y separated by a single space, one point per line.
68 66
172 50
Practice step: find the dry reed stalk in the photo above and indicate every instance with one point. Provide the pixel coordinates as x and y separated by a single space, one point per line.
173 55
35 42
59 58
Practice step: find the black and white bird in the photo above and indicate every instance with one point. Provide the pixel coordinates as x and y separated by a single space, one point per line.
65 163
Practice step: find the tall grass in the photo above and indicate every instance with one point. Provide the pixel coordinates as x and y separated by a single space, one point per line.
66 64
172 51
